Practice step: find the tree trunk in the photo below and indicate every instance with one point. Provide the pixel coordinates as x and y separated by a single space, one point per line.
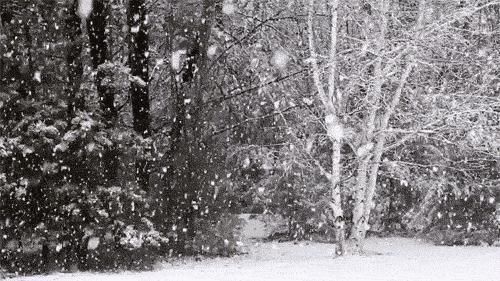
365 151
73 60
336 200
31 63
99 53
380 142
96 25
188 132
384 125
331 102
335 132
359 221
369 165
139 90
15 73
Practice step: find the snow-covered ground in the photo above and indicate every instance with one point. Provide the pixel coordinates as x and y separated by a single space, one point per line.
398 259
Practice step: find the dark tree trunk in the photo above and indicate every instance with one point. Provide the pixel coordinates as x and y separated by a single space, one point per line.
20 43
28 81
139 91
186 135
73 60
99 53
45 256
193 80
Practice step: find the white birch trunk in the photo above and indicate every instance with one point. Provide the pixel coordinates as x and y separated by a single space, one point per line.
332 121
360 222
380 142
372 167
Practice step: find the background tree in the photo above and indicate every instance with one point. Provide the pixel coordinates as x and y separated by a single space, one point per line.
139 91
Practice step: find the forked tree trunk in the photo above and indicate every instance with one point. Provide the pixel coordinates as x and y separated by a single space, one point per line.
369 164
331 102
384 125
365 152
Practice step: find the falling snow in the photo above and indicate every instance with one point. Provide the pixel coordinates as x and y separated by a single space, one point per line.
249 140
37 76
212 51
93 243
280 59
85 8
228 7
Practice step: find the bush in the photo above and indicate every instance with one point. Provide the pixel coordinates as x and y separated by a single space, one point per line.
464 218
107 228
217 238
54 189
454 237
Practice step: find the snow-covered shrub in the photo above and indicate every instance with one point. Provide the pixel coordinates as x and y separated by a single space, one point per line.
53 190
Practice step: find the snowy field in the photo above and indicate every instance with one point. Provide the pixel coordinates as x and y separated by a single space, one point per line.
397 259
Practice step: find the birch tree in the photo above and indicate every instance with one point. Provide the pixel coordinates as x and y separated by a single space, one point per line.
330 100
377 114
376 123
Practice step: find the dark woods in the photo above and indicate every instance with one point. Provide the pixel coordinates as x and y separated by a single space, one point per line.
90 179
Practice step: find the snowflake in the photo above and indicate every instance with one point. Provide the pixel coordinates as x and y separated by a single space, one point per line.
85 8
228 8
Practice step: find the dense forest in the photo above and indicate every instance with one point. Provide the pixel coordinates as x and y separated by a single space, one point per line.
136 130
